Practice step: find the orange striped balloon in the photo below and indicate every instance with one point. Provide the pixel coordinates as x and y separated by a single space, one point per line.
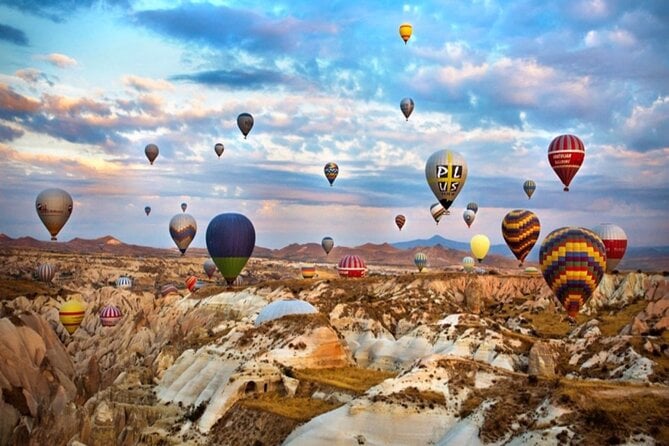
520 229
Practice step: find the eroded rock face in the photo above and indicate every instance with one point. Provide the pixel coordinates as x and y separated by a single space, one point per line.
541 360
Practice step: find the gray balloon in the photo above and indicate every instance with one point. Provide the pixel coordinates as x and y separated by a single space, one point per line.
218 148
446 173
406 105
151 151
54 207
245 123
183 229
469 217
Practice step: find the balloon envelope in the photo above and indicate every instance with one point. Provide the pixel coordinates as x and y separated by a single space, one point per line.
209 267
110 315
184 206
54 207
446 173
479 245
245 123
529 187
615 242
565 155
183 229
71 313
520 229
231 238
124 282
147 210
471 206
400 220
308 271
469 216
437 211
191 282
331 171
45 272
407 105
468 263
351 266
327 243
405 32
218 148
151 151
420 260
572 261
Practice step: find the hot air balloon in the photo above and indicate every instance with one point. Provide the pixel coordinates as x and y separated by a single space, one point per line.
331 171
308 271
420 259
407 105
147 210
471 206
446 173
468 216
151 151
327 243
572 261
532 271
529 187
209 267
405 32
110 315
468 263
351 266
218 148
437 211
184 206
231 238
245 123
182 229
400 220
45 272
54 207
191 282
168 289
566 154
520 229
71 314
615 242
479 245
124 282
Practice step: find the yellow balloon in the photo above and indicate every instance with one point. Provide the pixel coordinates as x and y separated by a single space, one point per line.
480 245
71 314
405 31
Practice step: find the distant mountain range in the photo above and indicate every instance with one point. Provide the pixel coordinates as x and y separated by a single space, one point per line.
441 252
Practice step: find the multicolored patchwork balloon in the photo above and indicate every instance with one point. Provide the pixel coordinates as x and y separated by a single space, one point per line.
520 229
331 171
572 261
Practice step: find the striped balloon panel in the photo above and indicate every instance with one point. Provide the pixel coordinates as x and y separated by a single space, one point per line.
308 271
420 260
124 282
615 241
400 220
529 186
351 266
110 315
566 154
71 314
468 263
209 267
45 272
437 211
520 229
167 289
572 261
191 282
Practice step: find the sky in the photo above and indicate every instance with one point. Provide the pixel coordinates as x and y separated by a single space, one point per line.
86 85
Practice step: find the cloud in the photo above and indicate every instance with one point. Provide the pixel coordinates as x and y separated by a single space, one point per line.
13 105
58 10
33 76
145 84
13 35
647 128
58 60
236 78
9 133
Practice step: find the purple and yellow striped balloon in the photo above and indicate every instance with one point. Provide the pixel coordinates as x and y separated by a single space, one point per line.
520 229
573 261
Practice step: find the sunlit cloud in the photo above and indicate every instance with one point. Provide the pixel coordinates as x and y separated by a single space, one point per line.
58 60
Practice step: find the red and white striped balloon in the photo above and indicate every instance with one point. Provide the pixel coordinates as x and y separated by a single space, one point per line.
352 266
615 242
110 315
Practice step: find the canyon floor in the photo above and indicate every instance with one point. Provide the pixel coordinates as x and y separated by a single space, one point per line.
440 357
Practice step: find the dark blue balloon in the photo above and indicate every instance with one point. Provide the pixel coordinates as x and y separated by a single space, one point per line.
230 240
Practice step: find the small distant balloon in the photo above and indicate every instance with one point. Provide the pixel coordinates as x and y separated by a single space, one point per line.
151 151
473 207
245 123
529 187
147 210
420 260
184 206
479 245
54 207
209 267
405 32
45 272
327 243
183 229
191 282
469 216
124 282
400 220
308 271
331 171
407 106
110 315
437 211
218 148
468 263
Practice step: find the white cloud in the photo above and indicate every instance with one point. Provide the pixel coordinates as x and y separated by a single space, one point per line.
58 60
